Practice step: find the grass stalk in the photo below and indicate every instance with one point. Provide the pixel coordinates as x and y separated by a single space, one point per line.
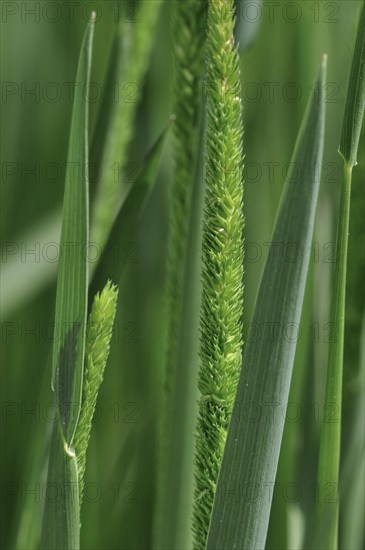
352 437
327 513
327 510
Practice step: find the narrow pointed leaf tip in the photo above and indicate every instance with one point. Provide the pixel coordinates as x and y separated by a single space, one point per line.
240 518
355 102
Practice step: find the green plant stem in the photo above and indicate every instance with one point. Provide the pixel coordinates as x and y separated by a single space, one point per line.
61 518
327 513
326 524
353 408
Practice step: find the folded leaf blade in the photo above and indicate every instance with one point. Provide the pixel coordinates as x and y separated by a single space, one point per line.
71 299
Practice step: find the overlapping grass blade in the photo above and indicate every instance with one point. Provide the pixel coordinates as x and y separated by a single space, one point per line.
119 245
241 507
61 520
327 510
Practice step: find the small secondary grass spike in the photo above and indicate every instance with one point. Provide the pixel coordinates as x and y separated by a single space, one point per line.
222 276
98 337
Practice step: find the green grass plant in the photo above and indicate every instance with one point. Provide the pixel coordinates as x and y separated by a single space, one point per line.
219 302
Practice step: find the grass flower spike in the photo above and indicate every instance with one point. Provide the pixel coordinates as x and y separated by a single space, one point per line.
98 337
222 299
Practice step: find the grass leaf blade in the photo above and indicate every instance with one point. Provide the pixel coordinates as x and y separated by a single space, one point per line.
252 449
355 102
71 299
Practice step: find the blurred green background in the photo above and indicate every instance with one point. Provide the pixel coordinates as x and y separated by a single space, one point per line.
281 47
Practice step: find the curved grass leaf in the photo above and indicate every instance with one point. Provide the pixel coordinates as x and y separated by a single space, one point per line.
241 507
61 520
118 245
325 533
